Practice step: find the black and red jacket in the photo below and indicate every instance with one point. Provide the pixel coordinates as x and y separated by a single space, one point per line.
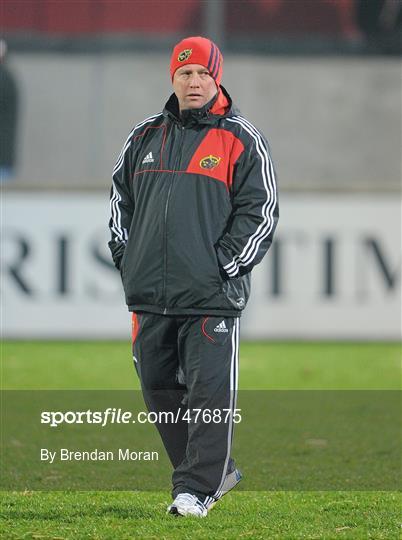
193 208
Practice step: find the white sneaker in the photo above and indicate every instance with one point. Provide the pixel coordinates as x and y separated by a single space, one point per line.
231 481
186 504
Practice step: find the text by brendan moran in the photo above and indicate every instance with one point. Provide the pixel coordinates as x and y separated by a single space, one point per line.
122 454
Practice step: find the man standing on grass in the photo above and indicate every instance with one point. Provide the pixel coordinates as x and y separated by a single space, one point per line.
193 208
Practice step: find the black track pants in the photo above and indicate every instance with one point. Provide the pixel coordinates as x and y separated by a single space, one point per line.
191 363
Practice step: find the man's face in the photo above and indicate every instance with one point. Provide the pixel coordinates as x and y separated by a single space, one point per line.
193 86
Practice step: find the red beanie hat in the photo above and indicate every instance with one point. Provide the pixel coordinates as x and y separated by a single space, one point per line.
198 50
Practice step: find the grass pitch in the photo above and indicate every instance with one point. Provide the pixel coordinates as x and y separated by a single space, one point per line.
282 514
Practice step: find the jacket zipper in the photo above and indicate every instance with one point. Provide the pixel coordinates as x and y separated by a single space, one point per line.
175 168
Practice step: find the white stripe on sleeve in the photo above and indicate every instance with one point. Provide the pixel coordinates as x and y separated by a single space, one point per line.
250 250
120 231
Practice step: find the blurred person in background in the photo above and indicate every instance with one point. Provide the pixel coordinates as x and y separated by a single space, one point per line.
381 23
193 208
8 117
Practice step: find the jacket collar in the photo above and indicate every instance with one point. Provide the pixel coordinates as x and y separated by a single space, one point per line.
220 106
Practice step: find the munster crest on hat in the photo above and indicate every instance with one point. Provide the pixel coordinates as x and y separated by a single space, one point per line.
184 55
210 162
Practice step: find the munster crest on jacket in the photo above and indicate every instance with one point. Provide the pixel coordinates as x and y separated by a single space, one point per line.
210 162
184 55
